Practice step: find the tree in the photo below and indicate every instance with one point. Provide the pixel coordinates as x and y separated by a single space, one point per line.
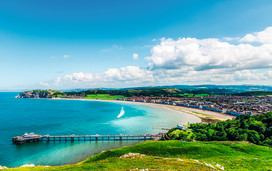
253 136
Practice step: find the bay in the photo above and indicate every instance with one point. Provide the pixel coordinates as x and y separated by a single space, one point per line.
67 117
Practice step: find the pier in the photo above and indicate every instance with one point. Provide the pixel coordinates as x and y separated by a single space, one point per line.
29 138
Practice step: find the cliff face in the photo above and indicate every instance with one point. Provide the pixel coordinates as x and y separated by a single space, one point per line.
37 94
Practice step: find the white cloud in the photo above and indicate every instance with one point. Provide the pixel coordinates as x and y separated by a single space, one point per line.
261 37
203 54
128 73
231 38
79 77
66 56
44 84
189 61
120 77
135 56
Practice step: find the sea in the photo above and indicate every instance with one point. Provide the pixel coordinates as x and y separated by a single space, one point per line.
67 117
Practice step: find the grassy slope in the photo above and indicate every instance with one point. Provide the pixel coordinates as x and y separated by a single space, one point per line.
102 96
231 155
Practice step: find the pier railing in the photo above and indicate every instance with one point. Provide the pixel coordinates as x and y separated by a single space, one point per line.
144 137
100 137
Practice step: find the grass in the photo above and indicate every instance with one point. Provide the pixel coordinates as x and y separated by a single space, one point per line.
178 155
176 134
193 95
201 95
187 94
200 113
103 96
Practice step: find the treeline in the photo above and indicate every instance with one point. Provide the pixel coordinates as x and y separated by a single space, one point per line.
253 93
131 92
173 92
256 129
166 92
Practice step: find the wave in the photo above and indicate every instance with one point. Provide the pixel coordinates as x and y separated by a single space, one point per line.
122 112
28 165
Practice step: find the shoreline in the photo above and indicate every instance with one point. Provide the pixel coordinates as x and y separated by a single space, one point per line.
204 115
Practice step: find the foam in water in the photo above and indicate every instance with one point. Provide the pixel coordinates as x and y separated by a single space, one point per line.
28 165
122 112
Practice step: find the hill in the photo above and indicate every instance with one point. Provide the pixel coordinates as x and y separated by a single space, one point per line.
177 155
40 94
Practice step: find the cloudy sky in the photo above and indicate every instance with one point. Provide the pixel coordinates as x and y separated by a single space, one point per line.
86 44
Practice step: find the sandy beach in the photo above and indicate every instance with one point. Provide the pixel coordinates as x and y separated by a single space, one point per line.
203 114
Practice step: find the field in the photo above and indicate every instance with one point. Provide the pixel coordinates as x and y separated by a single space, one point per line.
200 95
177 155
102 96
193 95
59 95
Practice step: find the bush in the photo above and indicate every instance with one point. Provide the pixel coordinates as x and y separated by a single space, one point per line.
256 129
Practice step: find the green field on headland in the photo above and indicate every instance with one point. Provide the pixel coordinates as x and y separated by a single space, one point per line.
177 155
102 97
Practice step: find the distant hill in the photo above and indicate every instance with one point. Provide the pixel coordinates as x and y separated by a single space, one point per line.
36 94
232 88
254 93
174 91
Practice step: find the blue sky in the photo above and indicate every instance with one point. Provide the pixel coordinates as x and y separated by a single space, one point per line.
45 41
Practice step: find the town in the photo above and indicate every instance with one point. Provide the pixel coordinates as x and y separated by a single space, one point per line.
228 104
225 101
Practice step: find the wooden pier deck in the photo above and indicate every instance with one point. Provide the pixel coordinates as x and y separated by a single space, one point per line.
144 137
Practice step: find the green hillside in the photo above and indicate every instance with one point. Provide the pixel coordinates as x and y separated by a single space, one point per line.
49 93
256 129
177 155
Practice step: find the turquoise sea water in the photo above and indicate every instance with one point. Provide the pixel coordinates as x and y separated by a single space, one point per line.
66 117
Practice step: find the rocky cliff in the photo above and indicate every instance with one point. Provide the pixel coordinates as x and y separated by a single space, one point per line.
37 94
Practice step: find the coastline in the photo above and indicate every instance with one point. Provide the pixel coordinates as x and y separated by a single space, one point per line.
204 115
